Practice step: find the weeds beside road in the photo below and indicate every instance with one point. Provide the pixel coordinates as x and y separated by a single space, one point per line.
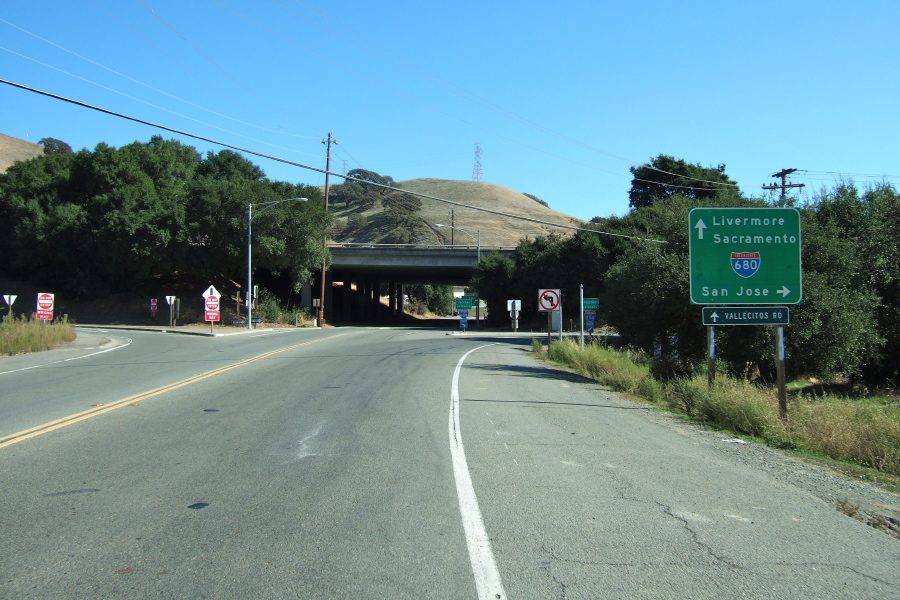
863 433
23 334
864 437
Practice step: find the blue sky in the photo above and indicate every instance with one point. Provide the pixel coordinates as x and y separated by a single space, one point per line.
563 98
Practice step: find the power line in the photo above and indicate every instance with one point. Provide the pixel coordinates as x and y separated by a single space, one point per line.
318 170
496 108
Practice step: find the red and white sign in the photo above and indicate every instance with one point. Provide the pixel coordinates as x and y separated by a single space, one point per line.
45 307
211 299
153 307
548 300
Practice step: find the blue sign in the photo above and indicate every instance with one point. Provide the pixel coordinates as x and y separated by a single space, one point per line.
589 317
745 264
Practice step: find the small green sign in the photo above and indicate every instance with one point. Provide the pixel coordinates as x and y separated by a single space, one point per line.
464 303
745 256
738 315
591 303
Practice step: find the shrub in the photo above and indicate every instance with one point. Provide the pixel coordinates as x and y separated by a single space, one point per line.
23 334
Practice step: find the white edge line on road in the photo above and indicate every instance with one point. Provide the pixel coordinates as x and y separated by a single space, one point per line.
56 362
487 577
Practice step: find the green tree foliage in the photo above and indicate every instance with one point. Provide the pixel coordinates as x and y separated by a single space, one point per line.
106 220
665 176
356 222
493 280
848 323
437 298
400 208
55 146
359 192
536 199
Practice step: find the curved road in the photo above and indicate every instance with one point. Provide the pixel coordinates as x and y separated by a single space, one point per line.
387 463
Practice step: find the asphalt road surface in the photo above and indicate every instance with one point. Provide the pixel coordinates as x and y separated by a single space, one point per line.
388 463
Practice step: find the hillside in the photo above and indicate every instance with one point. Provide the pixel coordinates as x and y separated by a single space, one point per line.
496 230
14 150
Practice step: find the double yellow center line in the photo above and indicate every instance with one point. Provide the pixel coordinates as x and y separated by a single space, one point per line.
26 434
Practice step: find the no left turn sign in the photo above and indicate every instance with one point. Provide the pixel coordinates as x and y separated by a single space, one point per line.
548 300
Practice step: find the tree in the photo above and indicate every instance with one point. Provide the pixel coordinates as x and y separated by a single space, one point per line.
666 176
437 298
401 208
536 199
492 279
55 146
108 220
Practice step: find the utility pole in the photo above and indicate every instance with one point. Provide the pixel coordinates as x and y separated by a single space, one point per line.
784 184
320 316
452 226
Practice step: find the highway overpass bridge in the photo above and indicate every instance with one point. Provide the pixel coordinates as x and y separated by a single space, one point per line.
358 272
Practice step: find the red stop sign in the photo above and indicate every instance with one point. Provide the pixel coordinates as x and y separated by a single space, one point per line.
45 301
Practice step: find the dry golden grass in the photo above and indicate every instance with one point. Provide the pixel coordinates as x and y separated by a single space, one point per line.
843 429
24 335
496 230
13 150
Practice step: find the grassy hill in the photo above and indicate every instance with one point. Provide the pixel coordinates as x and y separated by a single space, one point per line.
496 230
13 150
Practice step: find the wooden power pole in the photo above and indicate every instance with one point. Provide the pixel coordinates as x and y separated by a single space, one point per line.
321 312
784 184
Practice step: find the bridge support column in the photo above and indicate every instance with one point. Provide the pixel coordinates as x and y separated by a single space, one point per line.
306 296
348 299
392 300
376 299
329 294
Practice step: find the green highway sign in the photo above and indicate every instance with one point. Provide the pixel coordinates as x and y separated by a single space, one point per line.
591 303
745 256
465 303
736 315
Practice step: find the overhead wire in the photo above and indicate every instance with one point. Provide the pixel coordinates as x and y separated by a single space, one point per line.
208 59
132 79
302 166
457 118
150 104
472 97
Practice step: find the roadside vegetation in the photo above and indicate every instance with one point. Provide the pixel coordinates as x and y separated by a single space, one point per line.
21 335
862 432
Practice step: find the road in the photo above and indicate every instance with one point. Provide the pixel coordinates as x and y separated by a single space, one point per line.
388 463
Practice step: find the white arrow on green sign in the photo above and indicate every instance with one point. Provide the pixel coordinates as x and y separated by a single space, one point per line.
737 315
745 256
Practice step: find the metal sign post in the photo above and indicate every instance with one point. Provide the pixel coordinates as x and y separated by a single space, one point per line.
514 306
550 301
9 299
170 300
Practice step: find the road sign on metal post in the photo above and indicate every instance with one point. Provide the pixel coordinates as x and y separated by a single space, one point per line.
514 307
549 300
464 303
745 256
45 306
211 301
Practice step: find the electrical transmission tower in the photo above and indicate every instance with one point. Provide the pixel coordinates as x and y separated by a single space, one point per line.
476 172
784 184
